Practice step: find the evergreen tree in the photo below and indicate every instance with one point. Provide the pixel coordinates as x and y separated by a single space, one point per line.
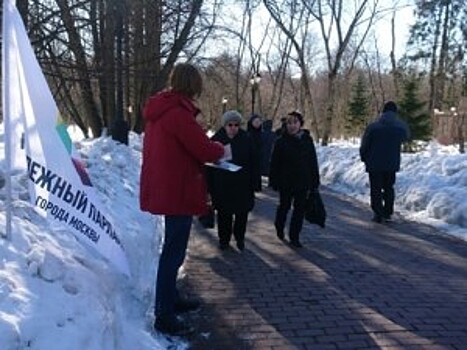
436 44
358 107
415 114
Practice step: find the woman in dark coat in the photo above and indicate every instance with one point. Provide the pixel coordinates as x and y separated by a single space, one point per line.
232 192
294 173
268 137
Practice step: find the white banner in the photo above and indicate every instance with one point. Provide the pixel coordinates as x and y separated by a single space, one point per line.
59 185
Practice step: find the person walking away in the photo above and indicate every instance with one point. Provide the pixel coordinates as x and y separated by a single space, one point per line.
254 128
294 173
173 183
232 192
380 150
283 128
268 137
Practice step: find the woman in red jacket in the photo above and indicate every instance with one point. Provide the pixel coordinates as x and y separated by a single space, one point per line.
173 182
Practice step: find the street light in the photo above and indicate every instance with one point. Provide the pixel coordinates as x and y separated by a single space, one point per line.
224 104
254 81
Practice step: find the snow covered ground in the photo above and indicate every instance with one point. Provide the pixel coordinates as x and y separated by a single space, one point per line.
56 294
431 186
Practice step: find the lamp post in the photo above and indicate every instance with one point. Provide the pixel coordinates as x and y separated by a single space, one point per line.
224 104
254 81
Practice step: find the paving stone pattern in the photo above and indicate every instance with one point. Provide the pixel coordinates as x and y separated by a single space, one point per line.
354 285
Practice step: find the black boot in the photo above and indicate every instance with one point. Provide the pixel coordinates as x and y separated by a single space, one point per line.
296 243
170 325
186 305
241 245
223 246
279 232
377 218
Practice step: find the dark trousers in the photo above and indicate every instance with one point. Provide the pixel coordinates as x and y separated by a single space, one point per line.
228 223
382 192
177 233
286 199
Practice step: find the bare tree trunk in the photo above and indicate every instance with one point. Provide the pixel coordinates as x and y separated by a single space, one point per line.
441 71
127 86
290 32
434 101
180 40
62 87
395 71
278 77
106 61
90 108
178 45
334 61
147 21
23 9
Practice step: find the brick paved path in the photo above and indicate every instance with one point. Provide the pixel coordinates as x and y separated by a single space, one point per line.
354 285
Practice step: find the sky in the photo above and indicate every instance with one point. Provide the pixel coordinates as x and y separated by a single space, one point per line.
56 294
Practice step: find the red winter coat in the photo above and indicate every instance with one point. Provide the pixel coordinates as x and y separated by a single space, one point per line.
175 148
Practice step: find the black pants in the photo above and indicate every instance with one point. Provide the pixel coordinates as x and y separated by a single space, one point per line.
177 233
228 223
286 199
382 192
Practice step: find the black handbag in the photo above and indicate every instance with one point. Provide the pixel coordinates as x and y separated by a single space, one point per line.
315 213
208 220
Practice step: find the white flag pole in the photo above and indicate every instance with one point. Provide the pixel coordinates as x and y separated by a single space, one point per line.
59 186
6 113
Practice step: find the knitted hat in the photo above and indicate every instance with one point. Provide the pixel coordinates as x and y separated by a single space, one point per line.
390 106
231 116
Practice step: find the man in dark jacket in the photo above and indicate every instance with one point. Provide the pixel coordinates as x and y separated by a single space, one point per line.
294 173
380 150
268 137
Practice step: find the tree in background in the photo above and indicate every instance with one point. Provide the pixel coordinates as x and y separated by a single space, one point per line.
103 58
301 62
414 112
437 40
358 107
340 24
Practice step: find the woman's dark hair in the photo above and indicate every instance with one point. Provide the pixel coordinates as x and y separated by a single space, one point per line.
297 115
390 106
186 79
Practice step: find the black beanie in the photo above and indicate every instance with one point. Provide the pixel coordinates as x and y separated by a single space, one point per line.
390 106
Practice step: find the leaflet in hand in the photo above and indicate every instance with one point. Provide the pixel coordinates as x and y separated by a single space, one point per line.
223 162
224 165
227 153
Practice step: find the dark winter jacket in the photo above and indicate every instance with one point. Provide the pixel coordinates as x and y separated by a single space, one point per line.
233 192
175 149
282 129
294 165
255 135
268 137
380 147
